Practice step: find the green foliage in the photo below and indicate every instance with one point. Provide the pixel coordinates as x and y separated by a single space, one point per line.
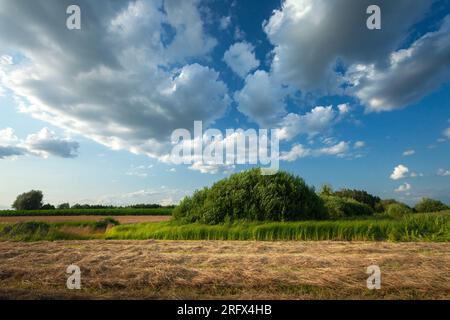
384 204
422 227
338 207
48 206
31 200
358 195
398 210
430 205
64 206
90 212
251 196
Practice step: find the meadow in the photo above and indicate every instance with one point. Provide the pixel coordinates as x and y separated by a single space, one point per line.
414 227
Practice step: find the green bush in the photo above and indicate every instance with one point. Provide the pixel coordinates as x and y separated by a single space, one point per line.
398 210
251 196
430 205
358 195
338 207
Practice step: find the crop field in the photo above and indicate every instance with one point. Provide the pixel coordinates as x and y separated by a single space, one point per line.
89 212
224 269
121 219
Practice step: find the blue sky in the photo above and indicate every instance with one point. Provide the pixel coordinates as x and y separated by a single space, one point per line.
86 115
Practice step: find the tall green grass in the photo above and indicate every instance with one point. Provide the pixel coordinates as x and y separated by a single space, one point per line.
427 227
415 227
90 212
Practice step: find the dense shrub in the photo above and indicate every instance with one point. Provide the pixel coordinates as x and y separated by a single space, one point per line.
384 204
398 210
338 207
253 197
359 195
430 205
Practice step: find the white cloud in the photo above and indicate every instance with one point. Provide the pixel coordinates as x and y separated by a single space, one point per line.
318 120
224 22
140 171
107 84
447 133
162 195
443 173
409 153
6 60
43 144
399 172
424 66
299 151
240 57
403 188
359 144
306 51
261 99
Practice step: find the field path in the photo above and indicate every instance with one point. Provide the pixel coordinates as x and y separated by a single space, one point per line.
121 219
224 269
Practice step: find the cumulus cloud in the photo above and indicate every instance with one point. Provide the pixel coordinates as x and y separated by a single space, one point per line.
240 57
403 188
410 74
262 99
310 36
316 121
399 172
300 151
43 143
121 80
368 64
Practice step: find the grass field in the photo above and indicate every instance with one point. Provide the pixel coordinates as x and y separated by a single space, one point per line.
89 212
224 269
417 227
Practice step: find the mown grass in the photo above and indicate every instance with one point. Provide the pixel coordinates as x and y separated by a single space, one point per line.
421 227
90 212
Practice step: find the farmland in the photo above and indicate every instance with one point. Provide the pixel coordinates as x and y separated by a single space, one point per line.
89 212
224 269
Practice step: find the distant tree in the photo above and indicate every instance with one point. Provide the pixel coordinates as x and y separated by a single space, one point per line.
327 190
360 196
63 206
430 205
48 206
29 201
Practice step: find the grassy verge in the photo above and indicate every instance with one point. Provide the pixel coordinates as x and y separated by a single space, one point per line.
42 231
418 227
424 227
90 212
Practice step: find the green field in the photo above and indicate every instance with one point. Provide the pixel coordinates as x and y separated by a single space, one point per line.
416 227
89 212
